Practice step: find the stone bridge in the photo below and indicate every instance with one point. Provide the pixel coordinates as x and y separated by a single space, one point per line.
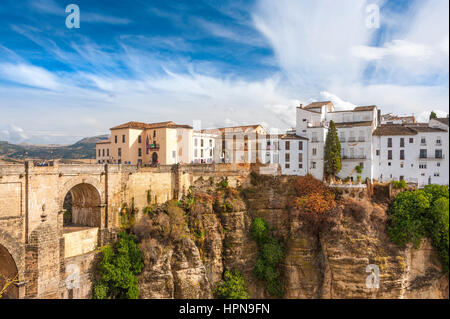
53 219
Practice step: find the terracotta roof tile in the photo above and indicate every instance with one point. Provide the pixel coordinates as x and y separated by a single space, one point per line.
143 126
393 129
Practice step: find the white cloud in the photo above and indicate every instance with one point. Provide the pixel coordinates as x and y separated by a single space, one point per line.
29 75
339 103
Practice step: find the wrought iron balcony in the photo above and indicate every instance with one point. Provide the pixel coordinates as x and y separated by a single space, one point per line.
352 157
153 146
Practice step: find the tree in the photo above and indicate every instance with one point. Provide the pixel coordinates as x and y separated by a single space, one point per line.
433 115
118 270
332 156
232 287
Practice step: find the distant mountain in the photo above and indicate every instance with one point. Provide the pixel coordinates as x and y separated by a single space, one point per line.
82 149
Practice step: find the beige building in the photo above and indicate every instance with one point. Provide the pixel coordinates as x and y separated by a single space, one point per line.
238 144
137 143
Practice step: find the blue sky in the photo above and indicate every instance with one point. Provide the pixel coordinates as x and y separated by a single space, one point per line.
221 62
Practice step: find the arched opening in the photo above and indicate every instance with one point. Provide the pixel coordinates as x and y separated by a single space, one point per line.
154 158
8 275
82 206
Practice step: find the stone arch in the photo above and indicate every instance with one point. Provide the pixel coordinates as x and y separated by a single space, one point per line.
10 264
85 205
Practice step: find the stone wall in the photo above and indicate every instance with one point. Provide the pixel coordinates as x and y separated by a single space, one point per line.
31 213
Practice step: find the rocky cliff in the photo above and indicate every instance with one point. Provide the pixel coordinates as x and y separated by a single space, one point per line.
188 249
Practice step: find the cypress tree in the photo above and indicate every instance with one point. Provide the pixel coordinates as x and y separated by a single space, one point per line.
433 115
332 154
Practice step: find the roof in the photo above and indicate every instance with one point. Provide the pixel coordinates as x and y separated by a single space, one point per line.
426 129
143 126
315 105
351 124
233 128
400 129
393 129
443 120
291 137
365 108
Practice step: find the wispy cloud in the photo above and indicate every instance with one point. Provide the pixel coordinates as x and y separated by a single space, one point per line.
29 75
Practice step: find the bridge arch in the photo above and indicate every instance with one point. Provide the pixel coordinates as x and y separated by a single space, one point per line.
8 272
82 205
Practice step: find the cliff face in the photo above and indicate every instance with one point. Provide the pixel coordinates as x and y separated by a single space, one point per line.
330 262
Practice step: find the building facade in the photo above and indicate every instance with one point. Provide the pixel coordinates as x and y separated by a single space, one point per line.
137 143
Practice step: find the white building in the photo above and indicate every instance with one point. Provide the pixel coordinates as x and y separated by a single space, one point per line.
416 153
354 128
204 145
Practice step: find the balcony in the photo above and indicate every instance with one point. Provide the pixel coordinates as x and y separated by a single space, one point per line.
354 157
315 140
351 139
153 146
441 157
361 139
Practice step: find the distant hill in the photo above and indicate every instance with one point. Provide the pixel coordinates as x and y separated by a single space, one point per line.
82 149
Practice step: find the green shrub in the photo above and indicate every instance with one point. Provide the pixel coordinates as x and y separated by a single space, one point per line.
232 287
118 269
259 230
270 253
399 184
422 213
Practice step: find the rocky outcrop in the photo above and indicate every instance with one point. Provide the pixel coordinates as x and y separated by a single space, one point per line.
326 262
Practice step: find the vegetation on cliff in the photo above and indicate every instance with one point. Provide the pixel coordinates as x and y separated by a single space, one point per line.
270 253
232 286
422 213
118 269
314 199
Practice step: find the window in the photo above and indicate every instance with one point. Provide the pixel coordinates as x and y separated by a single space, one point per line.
389 154
402 177
402 142
201 143
154 133
224 145
210 143
139 139
115 139
436 174
361 164
361 136
422 165
423 153
119 151
300 157
123 138
119 161
287 157
411 140
98 153
314 137
195 142
438 164
313 164
139 151
342 136
402 154
378 152
174 154
389 163
201 153
438 141
210 153
195 153
423 141
287 165
401 165
287 145
103 152
314 151
389 142
107 152
300 145
438 154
